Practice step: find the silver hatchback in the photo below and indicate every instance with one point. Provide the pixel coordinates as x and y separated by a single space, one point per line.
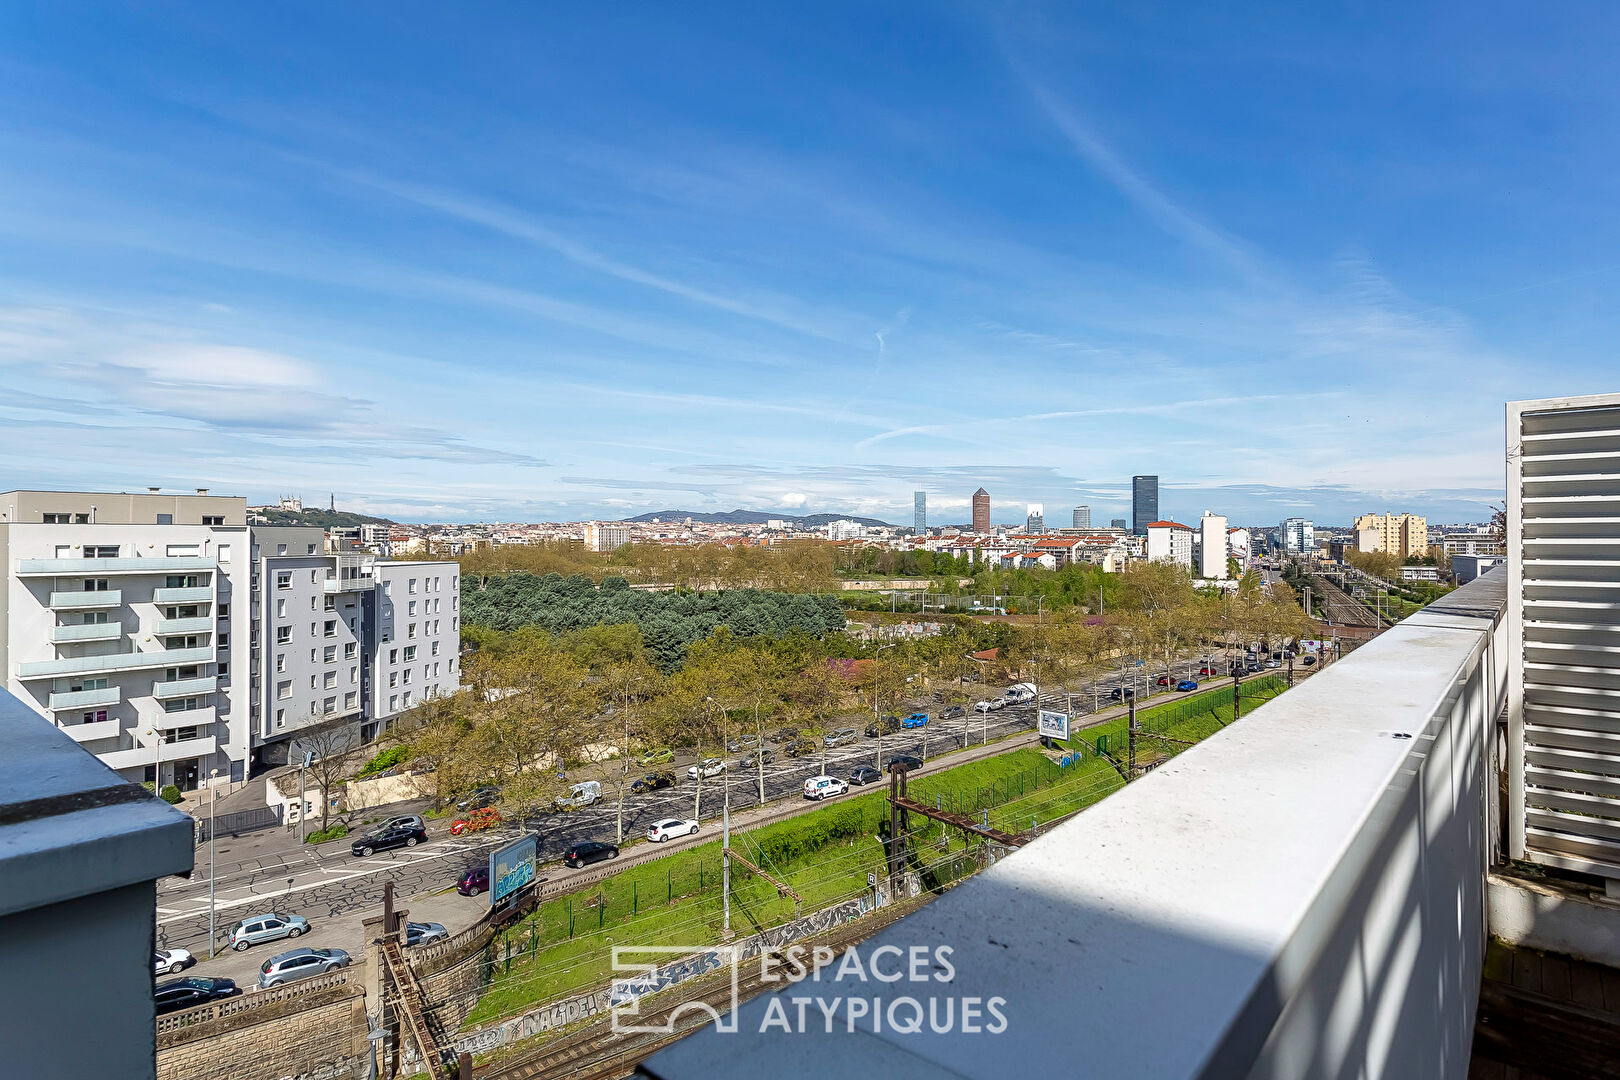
297 964
261 928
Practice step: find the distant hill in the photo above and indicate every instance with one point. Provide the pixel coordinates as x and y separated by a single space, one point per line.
326 519
756 517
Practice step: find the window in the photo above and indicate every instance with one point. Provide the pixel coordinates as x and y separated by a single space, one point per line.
281 549
174 705
329 681
281 716
94 717
407 699
349 648
393 702
222 641
95 584
313 604
165 519
224 611
181 551
329 654
393 679
283 692
331 603
312 656
223 669
410 653
331 628
283 635
180 581
281 608
354 676
410 586
312 630
393 656
411 609
435 670
388 588
311 550
410 630
188 641
314 576
100 552
95 618
405 676
224 553
283 579
64 551
434 650
314 682
281 661
329 706
351 699
215 519
56 519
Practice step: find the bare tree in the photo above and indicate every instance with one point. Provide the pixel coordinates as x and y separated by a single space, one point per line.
331 745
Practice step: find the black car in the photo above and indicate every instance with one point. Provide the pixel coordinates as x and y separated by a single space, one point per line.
888 726
587 852
952 712
799 747
384 839
865 774
192 990
1121 693
903 761
1307 660
653 781
482 797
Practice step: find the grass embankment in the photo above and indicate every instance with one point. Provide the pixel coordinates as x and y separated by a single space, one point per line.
1190 719
824 855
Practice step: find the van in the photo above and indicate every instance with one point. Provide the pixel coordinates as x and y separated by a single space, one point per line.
821 787
580 795
1021 692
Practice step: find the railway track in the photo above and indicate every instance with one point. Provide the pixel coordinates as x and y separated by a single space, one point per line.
1342 607
597 1052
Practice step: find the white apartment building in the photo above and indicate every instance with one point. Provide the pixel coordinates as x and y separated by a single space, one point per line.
180 645
608 536
1298 536
122 618
1212 549
1170 541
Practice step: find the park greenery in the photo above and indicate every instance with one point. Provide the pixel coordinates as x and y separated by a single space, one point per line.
545 686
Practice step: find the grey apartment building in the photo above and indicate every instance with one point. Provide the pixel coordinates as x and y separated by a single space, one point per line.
147 625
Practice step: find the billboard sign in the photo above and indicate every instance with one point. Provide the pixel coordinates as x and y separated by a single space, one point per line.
512 867
1053 725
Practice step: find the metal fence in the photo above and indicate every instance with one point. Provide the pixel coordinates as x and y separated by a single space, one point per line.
240 821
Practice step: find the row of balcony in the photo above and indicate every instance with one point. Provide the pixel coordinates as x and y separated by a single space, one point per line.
155 565
112 695
150 754
85 600
113 662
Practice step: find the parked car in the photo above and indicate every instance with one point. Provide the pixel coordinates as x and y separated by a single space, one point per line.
404 821
1205 672
865 774
952 712
840 737
1307 660
1273 663
742 742
257 929
887 725
579 796
903 761
1253 668
653 781
295 964
706 768
799 747
1164 680
1122 693
587 852
662 832
753 761
384 839
989 706
915 720
171 961
824 787
193 990
1186 684
658 757
480 798
474 881
478 820
784 734
420 933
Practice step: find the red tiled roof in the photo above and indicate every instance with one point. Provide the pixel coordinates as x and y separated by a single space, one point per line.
1168 525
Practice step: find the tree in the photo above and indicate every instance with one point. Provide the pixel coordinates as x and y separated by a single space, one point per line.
331 745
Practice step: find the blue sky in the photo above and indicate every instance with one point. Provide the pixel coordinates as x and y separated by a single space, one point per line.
525 262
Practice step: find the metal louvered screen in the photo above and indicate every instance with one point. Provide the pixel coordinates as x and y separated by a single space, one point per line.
1564 625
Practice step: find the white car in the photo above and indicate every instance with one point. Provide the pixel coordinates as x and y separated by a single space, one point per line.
663 831
170 961
824 787
989 706
706 768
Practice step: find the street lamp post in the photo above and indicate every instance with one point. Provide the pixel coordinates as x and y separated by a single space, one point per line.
876 716
213 798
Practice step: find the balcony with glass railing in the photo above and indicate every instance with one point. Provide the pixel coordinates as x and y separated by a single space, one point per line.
110 663
86 699
93 731
201 624
84 600
79 632
179 688
100 567
186 594
150 753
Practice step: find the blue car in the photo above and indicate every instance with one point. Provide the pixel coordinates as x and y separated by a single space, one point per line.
916 719
1186 684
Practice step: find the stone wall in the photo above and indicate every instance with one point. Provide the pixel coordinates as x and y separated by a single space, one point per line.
313 1032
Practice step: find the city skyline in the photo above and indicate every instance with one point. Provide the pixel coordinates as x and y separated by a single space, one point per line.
558 289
